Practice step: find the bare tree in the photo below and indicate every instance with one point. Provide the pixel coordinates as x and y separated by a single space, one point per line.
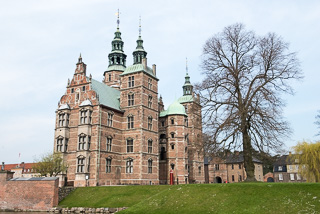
245 76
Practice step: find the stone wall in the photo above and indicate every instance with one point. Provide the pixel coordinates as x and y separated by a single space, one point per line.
64 192
37 194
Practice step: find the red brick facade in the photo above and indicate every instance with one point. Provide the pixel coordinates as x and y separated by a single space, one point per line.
108 131
27 194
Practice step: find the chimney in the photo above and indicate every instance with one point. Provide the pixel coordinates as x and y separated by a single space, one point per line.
2 166
144 63
154 69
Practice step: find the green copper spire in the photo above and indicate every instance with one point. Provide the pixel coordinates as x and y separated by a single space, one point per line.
187 87
139 53
117 58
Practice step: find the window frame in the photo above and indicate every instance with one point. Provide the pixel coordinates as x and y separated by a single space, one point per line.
108 164
149 166
150 146
129 166
129 145
108 144
130 122
80 164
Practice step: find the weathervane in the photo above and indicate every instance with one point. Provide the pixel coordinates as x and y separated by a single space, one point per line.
118 20
139 25
187 65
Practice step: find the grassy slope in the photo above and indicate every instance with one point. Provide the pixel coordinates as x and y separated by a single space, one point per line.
204 198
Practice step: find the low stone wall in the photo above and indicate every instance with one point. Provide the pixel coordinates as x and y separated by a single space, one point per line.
104 210
64 192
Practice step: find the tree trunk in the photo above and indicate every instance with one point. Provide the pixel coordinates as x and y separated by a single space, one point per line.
247 156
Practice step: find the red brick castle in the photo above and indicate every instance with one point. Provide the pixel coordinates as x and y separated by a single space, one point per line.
118 132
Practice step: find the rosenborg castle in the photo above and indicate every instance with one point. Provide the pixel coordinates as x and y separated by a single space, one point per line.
118 132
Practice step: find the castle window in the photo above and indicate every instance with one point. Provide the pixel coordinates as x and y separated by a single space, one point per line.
109 143
129 166
66 144
186 108
109 121
199 168
63 120
109 77
149 166
131 82
150 101
150 83
85 116
232 167
89 142
172 135
59 144
172 166
80 167
239 165
186 149
130 122
172 146
217 166
72 90
82 142
108 165
232 177
130 99
162 123
83 88
149 123
130 145
150 146
172 121
186 122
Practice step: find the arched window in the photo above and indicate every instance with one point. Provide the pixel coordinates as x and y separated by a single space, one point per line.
172 134
129 166
172 121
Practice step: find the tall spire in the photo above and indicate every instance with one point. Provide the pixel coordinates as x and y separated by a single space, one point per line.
187 87
117 58
139 53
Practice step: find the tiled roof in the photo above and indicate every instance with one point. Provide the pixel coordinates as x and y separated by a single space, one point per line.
137 68
232 158
106 95
9 167
284 160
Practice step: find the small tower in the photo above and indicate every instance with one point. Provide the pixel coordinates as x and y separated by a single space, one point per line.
117 60
187 87
139 53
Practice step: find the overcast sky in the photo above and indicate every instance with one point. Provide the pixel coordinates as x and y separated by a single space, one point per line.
40 42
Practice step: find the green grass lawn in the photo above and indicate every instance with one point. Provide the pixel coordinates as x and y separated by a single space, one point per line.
202 198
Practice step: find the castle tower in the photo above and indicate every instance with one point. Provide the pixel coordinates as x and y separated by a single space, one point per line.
117 60
138 100
192 107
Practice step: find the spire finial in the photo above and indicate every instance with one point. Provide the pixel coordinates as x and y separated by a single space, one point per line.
80 59
187 65
139 26
118 20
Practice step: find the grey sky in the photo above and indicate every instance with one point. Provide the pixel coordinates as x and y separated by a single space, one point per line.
40 42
